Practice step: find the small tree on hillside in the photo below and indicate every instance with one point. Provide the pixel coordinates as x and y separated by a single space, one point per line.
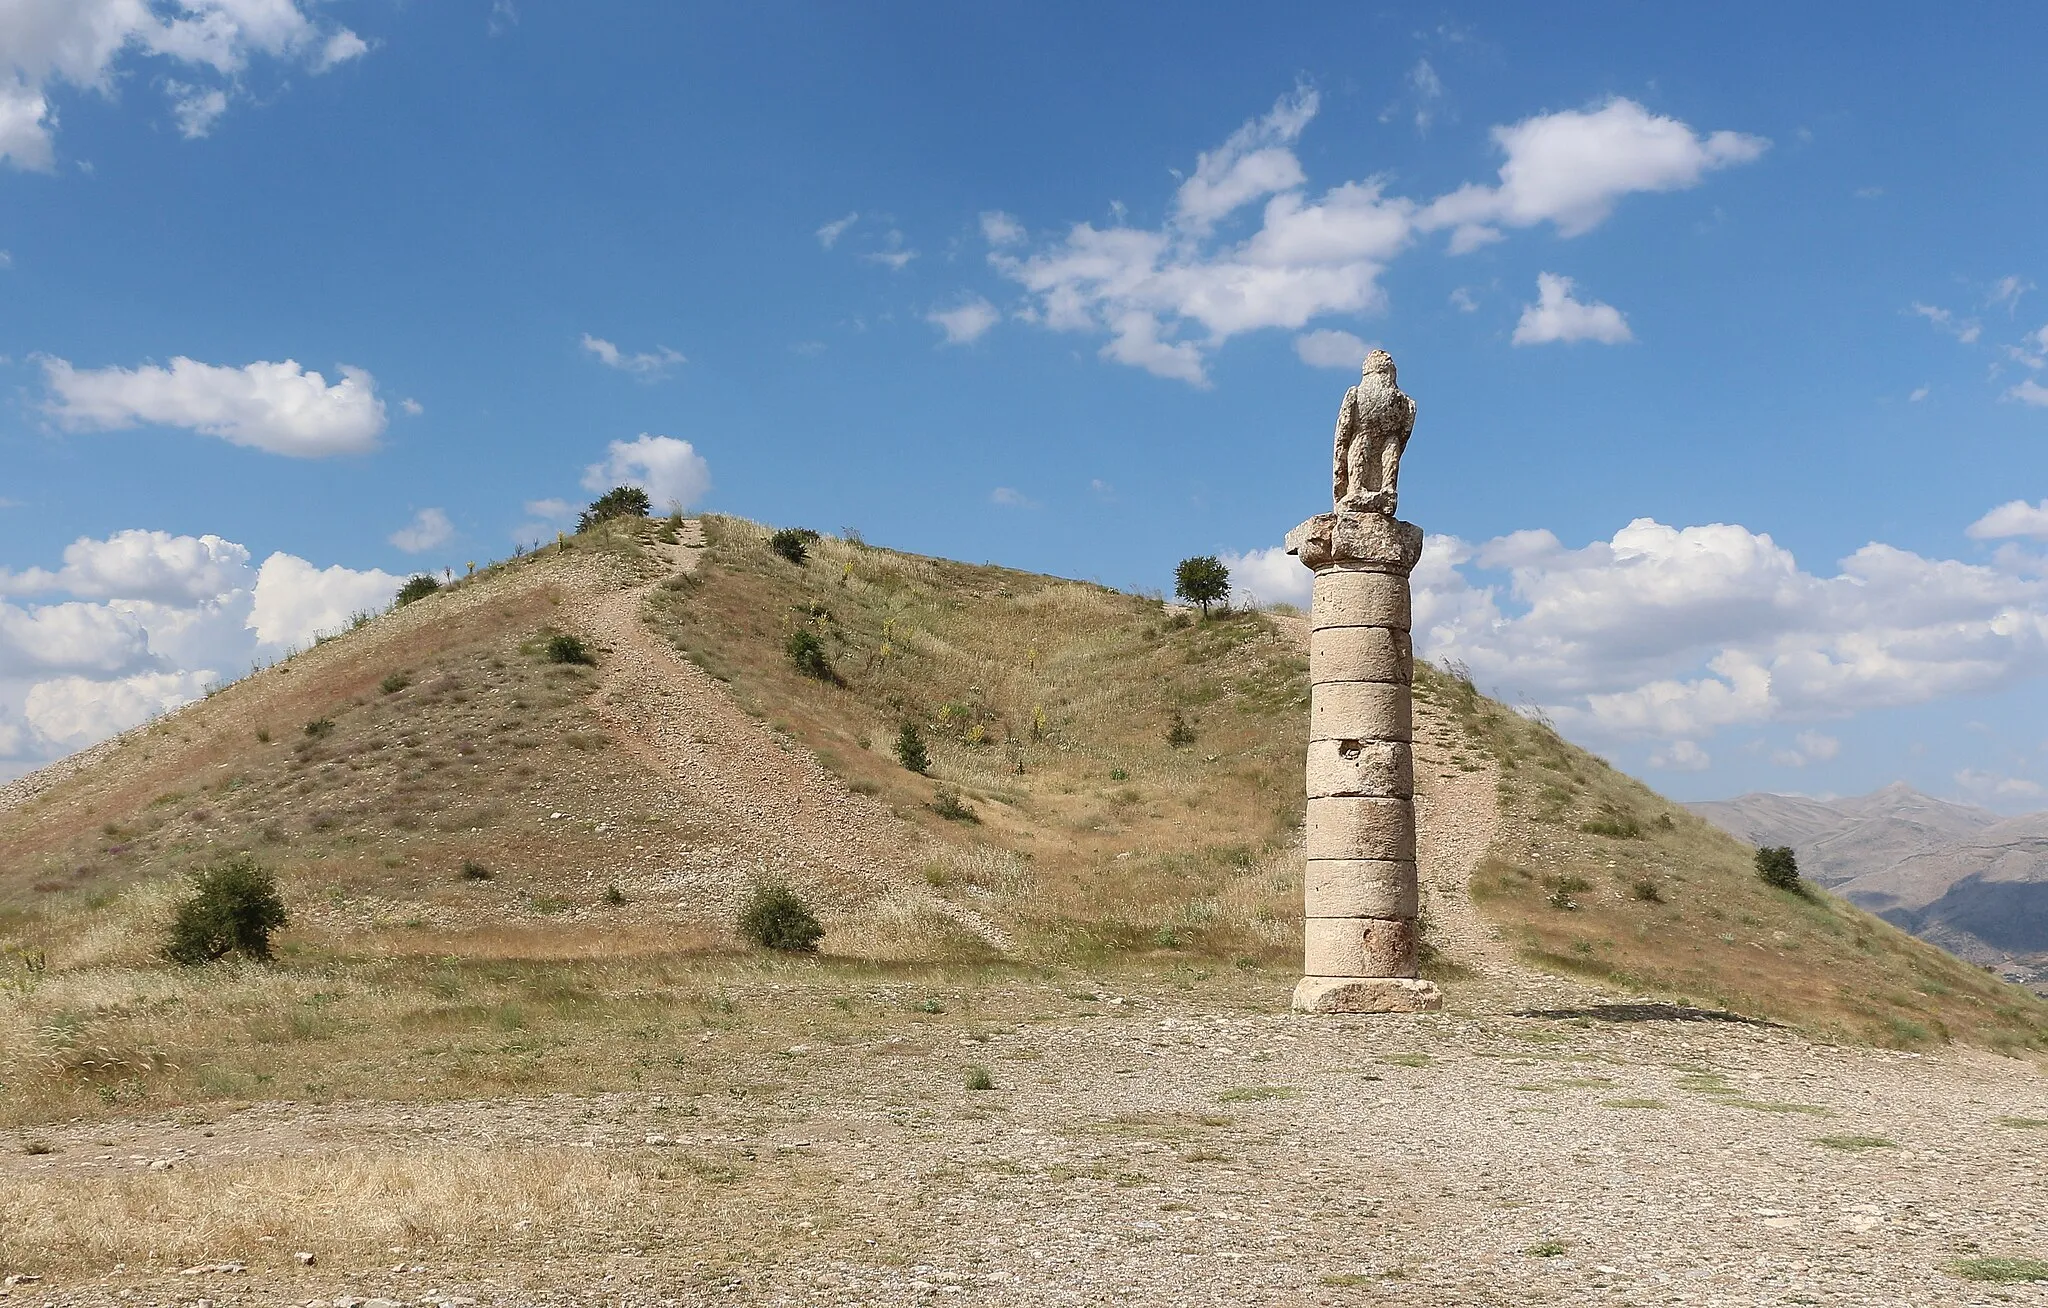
1777 866
416 587
233 908
1202 580
618 502
910 750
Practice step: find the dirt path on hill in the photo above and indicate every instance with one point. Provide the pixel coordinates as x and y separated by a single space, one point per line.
776 810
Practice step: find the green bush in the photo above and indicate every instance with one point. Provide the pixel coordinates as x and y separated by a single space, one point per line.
319 727
618 502
978 1078
910 750
807 652
948 805
475 871
394 683
1180 733
1202 580
776 917
564 648
417 586
793 543
233 908
1777 866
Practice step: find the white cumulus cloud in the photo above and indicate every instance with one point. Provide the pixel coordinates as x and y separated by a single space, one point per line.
1556 316
1268 576
648 365
669 470
2030 392
1330 349
2014 518
1247 246
1571 168
73 712
277 407
50 44
428 529
296 601
1681 756
965 322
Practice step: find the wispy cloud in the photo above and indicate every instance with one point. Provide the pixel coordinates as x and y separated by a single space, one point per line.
646 366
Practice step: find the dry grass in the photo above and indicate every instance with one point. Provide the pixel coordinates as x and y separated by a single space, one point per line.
466 1201
1046 704
1579 842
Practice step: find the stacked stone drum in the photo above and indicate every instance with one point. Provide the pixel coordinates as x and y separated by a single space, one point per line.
1361 890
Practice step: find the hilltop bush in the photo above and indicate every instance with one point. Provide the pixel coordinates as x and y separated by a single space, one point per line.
1202 580
1777 866
233 908
776 917
618 502
793 543
416 587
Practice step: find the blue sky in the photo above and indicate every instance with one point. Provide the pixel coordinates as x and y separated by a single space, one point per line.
1073 288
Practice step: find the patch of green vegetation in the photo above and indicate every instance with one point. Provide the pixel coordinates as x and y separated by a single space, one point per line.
1254 1093
1999 1271
1854 1143
1406 1060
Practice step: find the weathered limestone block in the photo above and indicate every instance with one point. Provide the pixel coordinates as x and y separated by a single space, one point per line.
1368 538
1360 654
1346 597
1349 766
1360 946
1360 887
1362 828
1360 710
1370 994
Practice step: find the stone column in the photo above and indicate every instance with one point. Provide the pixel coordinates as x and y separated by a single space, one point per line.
1361 888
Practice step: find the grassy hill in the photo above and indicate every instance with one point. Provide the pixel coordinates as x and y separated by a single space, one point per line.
508 871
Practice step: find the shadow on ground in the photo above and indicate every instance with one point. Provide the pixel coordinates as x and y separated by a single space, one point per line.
1647 1012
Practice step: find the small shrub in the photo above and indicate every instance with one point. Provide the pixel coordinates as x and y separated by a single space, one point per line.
1118 774
1646 890
1180 733
394 683
776 917
416 587
910 750
233 908
1547 1249
614 896
948 805
1202 580
35 1147
263 735
565 648
475 871
618 502
1621 828
1562 888
793 543
979 1079
1777 866
807 653
319 727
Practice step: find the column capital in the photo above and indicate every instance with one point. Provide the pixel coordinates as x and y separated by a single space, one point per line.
1375 542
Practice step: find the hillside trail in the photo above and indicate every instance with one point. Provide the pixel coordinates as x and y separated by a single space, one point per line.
777 811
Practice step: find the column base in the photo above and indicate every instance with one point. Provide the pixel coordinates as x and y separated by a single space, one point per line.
1366 994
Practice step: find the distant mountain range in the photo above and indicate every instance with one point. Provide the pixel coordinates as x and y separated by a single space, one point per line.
1962 877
